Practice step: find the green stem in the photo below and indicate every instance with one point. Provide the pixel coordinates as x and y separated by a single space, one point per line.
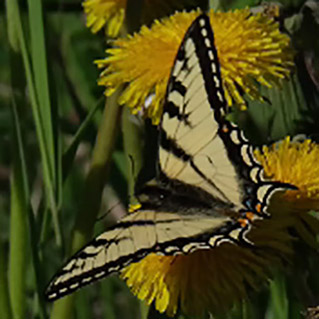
101 159
245 310
279 300
214 4
133 148
144 309
4 291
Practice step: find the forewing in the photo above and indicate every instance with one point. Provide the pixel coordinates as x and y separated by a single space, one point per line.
198 146
191 150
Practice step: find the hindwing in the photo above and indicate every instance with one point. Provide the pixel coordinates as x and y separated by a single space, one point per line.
136 236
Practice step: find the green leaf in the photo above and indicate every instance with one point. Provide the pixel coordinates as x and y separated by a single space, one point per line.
266 122
236 4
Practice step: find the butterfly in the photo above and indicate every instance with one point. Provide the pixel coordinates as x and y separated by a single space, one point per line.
209 187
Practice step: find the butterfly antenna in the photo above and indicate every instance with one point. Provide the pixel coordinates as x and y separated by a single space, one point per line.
129 196
108 211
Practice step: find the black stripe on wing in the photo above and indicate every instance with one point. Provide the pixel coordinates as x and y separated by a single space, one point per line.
171 146
207 55
180 245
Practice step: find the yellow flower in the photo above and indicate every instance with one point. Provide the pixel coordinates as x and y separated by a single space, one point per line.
210 280
111 13
251 49
105 12
295 163
213 280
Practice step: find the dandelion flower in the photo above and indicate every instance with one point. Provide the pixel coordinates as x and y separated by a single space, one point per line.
210 280
251 49
296 163
109 13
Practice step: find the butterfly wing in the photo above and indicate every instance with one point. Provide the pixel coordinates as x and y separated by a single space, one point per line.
137 235
198 146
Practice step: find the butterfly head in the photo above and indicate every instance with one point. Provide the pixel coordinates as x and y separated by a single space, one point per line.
151 195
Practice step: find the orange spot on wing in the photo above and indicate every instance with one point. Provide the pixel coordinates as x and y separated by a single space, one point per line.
243 222
250 215
258 208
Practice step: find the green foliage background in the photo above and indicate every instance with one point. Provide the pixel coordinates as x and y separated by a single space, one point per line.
64 157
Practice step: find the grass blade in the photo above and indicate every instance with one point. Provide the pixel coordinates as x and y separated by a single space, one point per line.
15 30
22 216
18 187
40 73
31 239
18 238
